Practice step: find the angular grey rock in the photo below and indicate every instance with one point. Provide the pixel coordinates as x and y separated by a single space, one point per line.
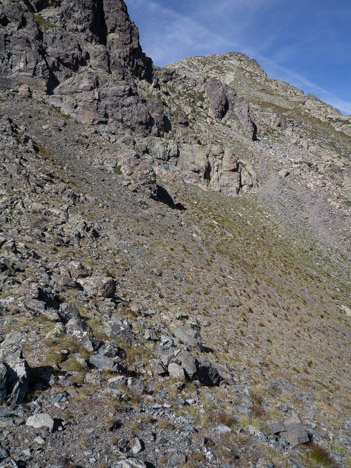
291 430
115 382
41 420
14 337
3 453
276 426
207 373
17 375
189 335
98 286
137 445
64 278
118 328
222 429
188 363
176 371
111 350
8 463
68 311
159 368
129 463
81 333
3 381
257 433
103 363
106 287
176 459
34 305
77 270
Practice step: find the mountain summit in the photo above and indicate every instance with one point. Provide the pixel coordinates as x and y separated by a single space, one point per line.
174 254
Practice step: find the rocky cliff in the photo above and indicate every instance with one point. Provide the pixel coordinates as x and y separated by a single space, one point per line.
174 254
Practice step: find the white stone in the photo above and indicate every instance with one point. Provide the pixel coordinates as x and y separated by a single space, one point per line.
41 420
176 371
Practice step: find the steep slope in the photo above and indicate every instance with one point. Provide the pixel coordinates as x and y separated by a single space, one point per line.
208 330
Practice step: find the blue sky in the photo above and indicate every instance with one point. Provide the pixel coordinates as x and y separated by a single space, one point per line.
304 42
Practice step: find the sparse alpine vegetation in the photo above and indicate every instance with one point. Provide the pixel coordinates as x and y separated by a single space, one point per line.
174 254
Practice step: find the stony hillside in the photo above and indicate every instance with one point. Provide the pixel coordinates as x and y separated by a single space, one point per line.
174 254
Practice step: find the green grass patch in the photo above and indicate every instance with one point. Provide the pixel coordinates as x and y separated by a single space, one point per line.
320 456
41 150
118 170
42 22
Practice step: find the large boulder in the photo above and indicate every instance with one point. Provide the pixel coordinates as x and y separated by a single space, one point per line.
224 102
102 286
189 336
39 421
207 373
81 333
290 429
183 365
14 373
216 94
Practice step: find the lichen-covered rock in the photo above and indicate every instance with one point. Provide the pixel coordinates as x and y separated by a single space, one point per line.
98 286
189 335
41 420
81 333
290 429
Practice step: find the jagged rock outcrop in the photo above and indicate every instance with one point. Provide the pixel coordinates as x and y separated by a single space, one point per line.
224 101
85 55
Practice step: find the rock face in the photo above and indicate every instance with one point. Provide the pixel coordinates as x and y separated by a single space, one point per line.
85 55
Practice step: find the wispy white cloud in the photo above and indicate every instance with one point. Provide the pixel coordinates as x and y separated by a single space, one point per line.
217 26
177 35
285 74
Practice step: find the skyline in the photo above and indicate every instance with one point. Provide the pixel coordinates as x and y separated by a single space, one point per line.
305 44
